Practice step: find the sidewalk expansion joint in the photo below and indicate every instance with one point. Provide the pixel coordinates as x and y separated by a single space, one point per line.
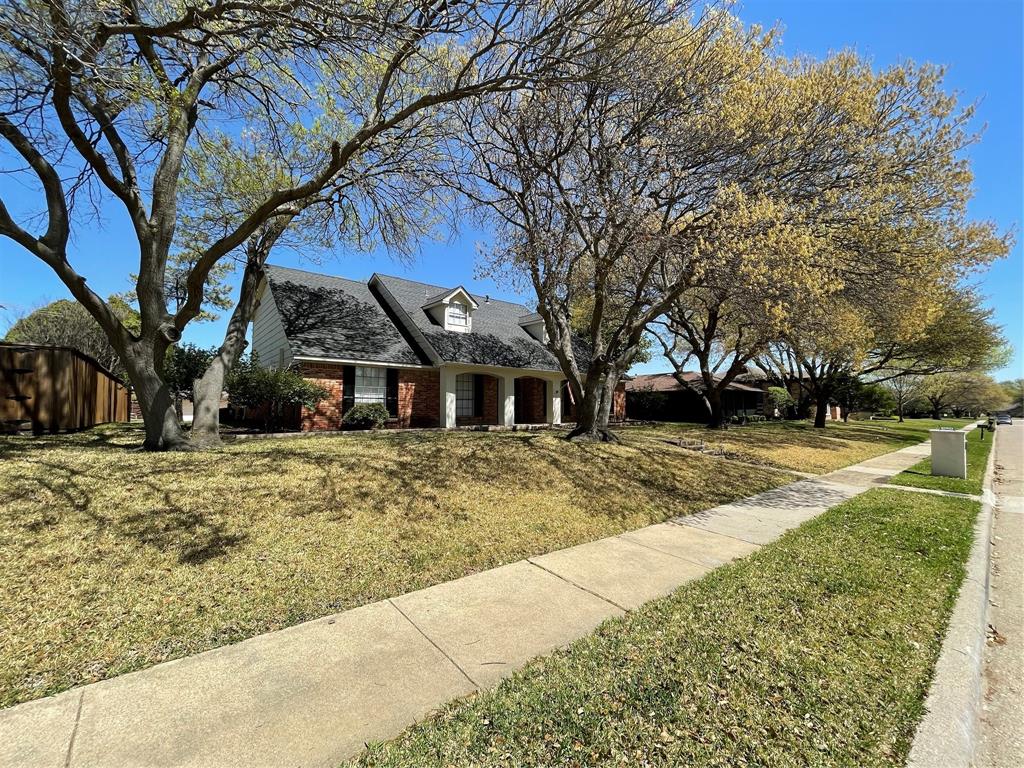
580 587
440 650
682 521
625 537
931 491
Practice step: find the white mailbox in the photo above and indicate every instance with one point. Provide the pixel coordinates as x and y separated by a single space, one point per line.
949 452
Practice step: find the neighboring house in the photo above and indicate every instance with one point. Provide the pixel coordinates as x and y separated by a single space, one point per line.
434 356
660 397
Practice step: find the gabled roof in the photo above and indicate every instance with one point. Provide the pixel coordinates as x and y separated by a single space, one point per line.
496 339
337 319
447 295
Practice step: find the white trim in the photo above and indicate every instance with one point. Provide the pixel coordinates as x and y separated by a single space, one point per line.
497 370
447 405
448 297
353 361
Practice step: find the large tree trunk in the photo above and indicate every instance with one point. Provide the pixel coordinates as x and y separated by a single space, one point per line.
206 391
713 402
163 430
820 410
593 412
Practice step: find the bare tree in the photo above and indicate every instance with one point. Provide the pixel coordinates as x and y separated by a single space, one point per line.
395 194
723 325
103 101
906 389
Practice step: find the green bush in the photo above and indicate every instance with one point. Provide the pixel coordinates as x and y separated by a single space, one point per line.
365 416
273 389
779 398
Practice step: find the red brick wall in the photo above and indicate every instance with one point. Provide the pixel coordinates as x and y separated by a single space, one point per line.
490 414
531 404
419 397
327 413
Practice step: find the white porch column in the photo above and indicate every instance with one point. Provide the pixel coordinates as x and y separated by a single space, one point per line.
507 400
553 404
448 398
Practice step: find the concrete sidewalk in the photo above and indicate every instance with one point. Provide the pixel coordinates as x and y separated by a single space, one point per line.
314 694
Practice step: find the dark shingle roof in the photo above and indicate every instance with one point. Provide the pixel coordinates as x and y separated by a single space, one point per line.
335 318
496 339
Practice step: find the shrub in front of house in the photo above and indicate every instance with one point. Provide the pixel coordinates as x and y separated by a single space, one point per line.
273 390
365 416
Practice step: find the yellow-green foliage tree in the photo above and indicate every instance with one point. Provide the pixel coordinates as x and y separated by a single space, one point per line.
962 394
894 248
1014 389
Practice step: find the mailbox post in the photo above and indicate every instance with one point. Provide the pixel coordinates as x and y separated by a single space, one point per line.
949 452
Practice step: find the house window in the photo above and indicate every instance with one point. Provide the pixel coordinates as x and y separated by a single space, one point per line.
465 395
458 315
371 385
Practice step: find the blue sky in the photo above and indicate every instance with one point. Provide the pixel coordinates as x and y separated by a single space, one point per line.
979 41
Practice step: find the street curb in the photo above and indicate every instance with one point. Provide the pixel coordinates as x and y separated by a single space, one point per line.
947 736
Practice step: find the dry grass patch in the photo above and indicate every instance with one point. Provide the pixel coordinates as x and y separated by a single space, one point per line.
112 559
797 445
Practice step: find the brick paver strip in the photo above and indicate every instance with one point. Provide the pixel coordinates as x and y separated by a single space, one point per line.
314 694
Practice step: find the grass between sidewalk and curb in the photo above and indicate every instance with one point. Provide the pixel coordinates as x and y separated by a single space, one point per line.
979 445
797 445
113 559
816 650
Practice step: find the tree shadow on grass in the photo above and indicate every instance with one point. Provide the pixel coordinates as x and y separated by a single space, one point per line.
168 527
437 472
106 437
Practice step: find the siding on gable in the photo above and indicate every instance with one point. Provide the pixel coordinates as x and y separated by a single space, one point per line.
268 338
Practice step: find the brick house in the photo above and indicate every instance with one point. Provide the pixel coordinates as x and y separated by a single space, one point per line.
660 397
434 356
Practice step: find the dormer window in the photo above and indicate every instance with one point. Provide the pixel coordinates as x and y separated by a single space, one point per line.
453 310
458 315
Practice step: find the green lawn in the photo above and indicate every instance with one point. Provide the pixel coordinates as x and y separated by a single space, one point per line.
797 445
816 650
112 559
979 445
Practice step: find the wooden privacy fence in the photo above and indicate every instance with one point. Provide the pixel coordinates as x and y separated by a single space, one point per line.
55 389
